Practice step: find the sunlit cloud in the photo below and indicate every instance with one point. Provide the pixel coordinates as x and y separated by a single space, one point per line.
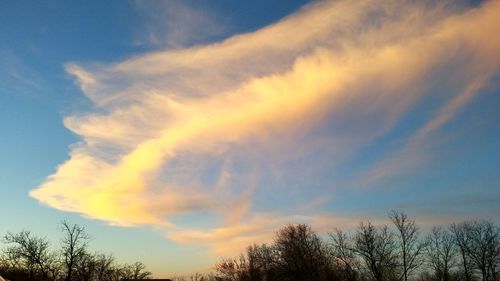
260 228
231 239
191 130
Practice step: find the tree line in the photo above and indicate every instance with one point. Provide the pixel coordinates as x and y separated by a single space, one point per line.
467 251
30 257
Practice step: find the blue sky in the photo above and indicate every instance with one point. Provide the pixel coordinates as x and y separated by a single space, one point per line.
178 132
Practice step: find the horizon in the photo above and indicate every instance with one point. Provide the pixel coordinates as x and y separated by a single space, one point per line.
179 132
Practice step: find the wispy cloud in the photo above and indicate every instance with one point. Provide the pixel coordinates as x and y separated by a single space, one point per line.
176 24
260 228
229 240
189 130
414 152
17 77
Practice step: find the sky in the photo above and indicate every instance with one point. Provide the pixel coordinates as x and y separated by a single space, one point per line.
179 132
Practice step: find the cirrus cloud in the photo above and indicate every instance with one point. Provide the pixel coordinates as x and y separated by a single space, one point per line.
152 148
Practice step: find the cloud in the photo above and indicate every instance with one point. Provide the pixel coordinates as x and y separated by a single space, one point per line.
414 152
200 129
176 24
469 30
18 78
230 240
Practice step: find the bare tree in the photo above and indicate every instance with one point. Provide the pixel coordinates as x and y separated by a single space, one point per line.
483 247
28 257
104 267
263 262
441 252
31 252
462 240
54 267
135 271
377 248
74 245
344 254
256 265
85 267
301 253
409 244
233 269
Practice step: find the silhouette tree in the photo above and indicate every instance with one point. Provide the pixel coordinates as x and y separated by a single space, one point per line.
74 245
410 247
28 258
135 271
441 252
31 252
462 240
263 262
104 267
484 247
234 269
377 248
85 267
301 253
344 254
297 254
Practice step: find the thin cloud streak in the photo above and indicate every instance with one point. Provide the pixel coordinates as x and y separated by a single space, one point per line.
175 24
228 240
359 63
